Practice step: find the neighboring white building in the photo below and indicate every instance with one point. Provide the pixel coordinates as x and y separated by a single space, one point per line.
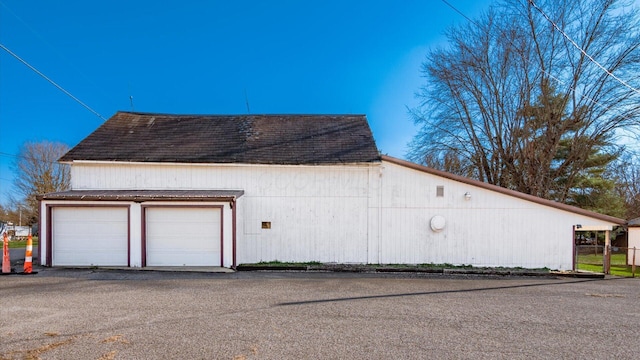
14 231
633 228
183 190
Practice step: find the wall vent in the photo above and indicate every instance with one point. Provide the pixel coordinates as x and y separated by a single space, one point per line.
440 191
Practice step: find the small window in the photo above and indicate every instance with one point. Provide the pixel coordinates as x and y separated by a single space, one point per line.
440 191
266 224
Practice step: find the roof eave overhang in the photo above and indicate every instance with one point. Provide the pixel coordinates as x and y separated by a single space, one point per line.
174 163
145 195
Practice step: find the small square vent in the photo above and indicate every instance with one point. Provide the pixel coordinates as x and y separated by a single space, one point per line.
440 191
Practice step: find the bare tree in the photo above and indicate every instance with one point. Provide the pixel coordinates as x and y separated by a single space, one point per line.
4 214
519 106
627 171
38 172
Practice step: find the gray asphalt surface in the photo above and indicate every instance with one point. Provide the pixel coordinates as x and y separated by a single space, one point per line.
102 314
17 255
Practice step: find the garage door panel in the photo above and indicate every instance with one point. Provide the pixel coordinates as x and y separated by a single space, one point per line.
185 216
183 236
86 236
74 257
97 230
179 243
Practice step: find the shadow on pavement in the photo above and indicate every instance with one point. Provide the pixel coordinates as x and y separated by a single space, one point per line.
308 302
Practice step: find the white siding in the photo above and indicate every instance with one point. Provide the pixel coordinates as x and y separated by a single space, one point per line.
375 213
634 242
317 213
488 229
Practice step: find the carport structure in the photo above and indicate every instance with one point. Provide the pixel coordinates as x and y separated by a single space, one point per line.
140 228
607 241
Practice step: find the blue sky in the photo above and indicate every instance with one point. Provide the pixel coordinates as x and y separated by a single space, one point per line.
209 57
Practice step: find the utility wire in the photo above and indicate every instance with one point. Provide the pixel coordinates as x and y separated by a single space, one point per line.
25 157
46 42
582 50
545 71
51 81
459 12
9 155
563 34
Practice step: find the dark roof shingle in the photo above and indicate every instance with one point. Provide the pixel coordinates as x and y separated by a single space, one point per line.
249 139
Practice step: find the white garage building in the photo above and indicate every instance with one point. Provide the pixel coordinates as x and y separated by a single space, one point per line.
190 190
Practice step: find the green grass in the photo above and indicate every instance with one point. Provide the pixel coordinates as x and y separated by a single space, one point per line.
399 266
17 244
616 259
593 263
282 263
424 265
617 270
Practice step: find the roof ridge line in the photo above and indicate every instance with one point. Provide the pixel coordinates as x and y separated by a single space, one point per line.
237 115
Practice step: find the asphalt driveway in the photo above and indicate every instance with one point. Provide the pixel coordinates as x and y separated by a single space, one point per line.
17 255
85 314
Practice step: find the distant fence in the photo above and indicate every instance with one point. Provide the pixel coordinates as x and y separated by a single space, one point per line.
622 260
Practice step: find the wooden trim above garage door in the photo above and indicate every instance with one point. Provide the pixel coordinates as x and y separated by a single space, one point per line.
144 226
49 239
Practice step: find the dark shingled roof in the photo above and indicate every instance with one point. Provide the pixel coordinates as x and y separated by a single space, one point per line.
249 139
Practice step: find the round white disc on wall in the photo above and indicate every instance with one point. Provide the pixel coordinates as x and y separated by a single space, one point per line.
438 223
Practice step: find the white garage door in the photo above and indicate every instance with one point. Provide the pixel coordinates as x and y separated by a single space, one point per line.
86 236
182 236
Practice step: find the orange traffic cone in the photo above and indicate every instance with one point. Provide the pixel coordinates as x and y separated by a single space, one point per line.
28 267
6 262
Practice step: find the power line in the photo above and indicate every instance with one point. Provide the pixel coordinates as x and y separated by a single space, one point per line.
563 34
51 81
582 50
46 42
545 71
4 154
459 12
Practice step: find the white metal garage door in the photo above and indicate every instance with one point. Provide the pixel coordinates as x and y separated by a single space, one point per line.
182 236
86 236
